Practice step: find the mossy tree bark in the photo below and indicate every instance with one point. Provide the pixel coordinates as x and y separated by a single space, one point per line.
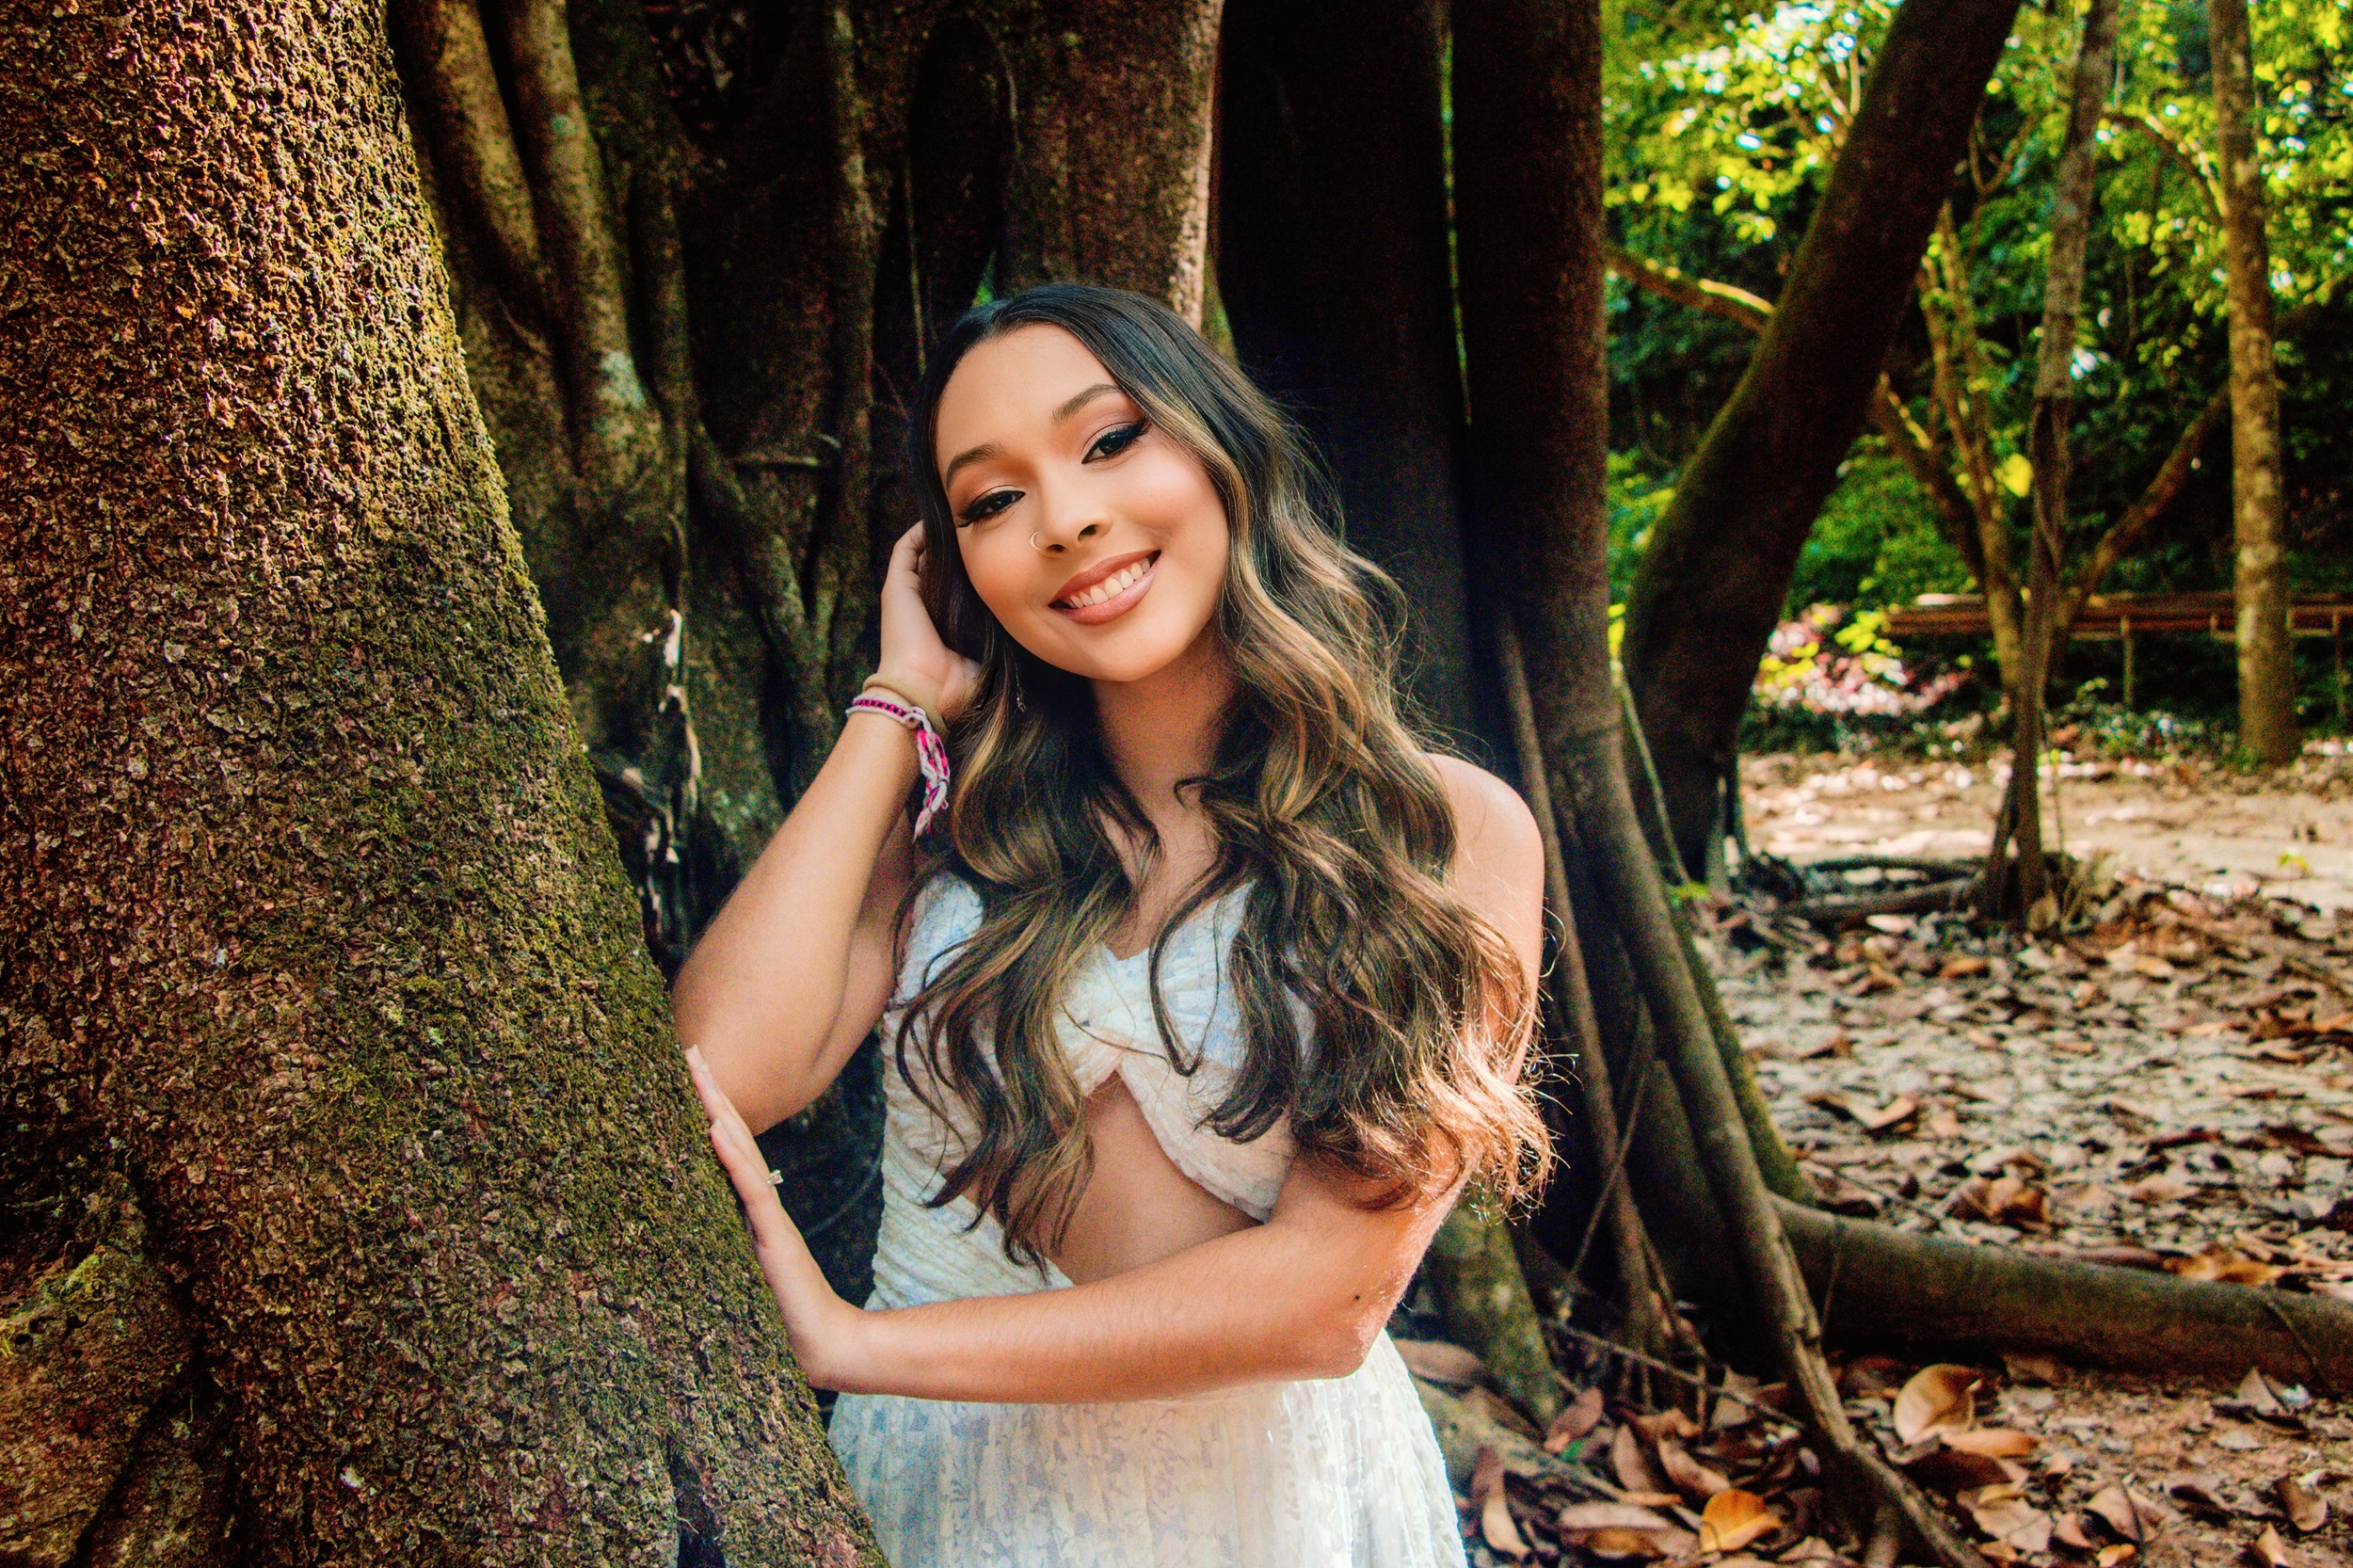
2266 660
359 1209
1711 584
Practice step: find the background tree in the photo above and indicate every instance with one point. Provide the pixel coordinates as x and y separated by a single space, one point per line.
2267 669
356 1204
1717 565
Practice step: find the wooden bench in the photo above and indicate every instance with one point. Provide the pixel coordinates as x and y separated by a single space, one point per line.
2124 617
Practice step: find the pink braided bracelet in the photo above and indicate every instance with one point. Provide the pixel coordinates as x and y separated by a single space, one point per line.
931 753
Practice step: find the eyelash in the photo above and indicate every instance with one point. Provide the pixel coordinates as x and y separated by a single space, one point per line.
1132 432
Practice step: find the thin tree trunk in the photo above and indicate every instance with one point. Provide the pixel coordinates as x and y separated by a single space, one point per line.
2074 190
345 1116
1711 584
2267 664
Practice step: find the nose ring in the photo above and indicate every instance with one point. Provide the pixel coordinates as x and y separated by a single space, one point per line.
1033 544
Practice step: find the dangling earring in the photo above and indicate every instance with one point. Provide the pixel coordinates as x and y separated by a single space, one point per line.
1020 704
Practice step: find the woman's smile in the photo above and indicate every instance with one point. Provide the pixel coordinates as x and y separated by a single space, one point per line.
1109 589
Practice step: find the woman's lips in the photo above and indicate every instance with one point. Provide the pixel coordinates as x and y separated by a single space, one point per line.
1112 593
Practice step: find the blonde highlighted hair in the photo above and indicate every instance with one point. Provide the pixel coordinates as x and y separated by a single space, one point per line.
1320 799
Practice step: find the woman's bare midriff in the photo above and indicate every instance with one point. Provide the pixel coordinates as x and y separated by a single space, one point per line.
1138 1206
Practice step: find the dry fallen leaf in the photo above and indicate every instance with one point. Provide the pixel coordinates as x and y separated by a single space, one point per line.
1733 1518
1939 1398
2014 1522
1634 1469
2256 1393
1688 1475
1449 1366
2121 1552
2306 1509
1495 1508
1956 1470
2004 1200
2268 1551
2161 1188
1621 1529
1582 1416
1961 966
2223 1265
1993 1442
2128 1514
2068 1530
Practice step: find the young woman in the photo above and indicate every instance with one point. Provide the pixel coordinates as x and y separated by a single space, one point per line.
1202 1000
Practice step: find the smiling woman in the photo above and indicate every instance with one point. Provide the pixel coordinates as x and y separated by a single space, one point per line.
1212 997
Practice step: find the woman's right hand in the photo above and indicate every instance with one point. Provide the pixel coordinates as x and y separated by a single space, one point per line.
912 651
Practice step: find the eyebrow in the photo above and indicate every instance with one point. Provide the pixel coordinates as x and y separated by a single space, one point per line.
989 449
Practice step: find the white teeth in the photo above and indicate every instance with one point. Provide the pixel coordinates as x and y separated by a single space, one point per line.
1110 587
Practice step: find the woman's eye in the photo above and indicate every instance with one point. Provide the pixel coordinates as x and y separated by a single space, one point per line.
1116 439
988 505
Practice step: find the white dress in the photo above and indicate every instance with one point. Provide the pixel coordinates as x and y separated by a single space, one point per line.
1331 1473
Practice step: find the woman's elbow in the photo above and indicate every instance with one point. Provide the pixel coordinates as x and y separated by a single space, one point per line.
1335 1344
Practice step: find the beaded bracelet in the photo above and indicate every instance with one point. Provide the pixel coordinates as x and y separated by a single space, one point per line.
931 754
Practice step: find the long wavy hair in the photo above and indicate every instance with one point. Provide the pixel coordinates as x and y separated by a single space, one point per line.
1320 802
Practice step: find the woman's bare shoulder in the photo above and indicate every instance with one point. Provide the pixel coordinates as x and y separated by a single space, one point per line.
1496 833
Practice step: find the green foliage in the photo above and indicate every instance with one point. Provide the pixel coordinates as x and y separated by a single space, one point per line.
1876 542
1721 128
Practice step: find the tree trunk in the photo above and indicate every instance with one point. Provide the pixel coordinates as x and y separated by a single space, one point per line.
360 1207
1111 181
2267 664
1711 584
2074 190
1331 192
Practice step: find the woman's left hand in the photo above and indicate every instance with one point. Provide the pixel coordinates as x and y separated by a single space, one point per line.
822 1326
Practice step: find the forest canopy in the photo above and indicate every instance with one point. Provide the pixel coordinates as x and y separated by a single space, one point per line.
1722 128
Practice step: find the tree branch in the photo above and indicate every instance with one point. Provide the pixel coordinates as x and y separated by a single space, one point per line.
2178 150
1729 301
1916 450
2124 534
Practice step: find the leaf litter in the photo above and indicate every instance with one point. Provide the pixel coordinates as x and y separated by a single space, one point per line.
2166 1083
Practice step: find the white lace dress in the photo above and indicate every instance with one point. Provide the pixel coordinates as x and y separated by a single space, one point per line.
1318 1474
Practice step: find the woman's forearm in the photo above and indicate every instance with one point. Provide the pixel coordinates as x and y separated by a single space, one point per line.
1260 1306
763 989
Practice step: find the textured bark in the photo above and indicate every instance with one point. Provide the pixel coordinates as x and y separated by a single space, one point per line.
1530 252
2267 665
1332 263
1485 1298
1712 581
329 1032
1111 180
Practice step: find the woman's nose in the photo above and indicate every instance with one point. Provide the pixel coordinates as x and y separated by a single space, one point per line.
1063 528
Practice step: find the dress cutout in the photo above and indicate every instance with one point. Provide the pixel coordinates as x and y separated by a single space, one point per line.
1325 1473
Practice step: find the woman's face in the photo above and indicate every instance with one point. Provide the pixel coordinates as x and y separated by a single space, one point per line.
1093 537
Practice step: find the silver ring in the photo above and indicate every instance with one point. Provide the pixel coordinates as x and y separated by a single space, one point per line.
1033 544
776 1178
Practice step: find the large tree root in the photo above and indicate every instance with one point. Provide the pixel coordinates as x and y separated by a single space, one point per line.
1637 901
1877 1284
1488 1308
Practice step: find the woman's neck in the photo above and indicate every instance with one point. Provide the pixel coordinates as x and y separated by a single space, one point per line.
1165 728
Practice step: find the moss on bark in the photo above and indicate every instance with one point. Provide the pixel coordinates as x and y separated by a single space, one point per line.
310 918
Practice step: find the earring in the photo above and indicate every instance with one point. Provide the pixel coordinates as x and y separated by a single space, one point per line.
1020 703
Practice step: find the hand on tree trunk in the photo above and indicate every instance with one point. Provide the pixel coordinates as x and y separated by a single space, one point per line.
818 1322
